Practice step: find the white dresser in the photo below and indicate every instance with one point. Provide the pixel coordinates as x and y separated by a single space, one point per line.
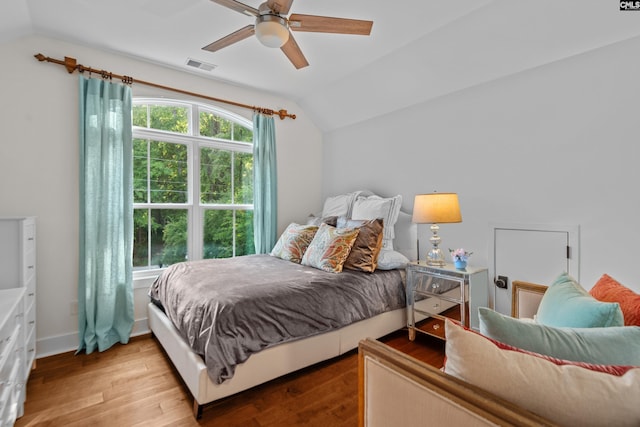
18 270
12 355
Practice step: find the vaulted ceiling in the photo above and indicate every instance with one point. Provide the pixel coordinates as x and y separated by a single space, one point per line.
418 49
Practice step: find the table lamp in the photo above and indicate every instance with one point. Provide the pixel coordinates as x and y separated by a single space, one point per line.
434 209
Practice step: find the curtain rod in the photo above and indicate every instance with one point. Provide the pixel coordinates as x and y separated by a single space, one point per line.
71 65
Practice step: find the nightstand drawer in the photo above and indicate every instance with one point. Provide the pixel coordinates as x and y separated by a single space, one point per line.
433 305
432 326
430 284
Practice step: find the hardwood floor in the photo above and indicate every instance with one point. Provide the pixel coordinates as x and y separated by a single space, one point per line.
136 385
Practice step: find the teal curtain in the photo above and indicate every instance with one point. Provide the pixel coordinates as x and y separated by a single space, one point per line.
105 285
265 184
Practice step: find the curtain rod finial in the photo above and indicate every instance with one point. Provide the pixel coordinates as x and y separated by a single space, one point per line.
70 64
283 114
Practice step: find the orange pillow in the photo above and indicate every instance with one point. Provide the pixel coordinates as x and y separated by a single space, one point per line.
608 289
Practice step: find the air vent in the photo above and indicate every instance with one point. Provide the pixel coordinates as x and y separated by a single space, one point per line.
199 64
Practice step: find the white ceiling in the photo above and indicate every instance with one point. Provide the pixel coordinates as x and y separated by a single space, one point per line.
418 49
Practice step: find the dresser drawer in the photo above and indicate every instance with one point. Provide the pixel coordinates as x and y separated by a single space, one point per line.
10 353
30 296
30 321
6 332
30 338
29 267
10 397
10 330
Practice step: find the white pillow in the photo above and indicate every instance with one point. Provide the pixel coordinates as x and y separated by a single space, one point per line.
390 260
339 205
565 394
374 207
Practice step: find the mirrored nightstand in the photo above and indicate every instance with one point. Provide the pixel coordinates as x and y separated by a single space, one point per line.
432 291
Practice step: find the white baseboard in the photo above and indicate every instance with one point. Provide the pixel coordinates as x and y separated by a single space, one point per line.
69 342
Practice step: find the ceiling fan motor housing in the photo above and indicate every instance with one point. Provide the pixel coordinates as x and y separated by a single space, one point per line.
272 30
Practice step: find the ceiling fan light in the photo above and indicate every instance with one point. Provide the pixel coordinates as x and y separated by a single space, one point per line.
271 30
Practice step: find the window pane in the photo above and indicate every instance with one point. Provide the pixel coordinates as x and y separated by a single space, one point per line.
170 118
218 234
243 178
244 233
214 126
140 115
169 173
160 237
140 176
215 176
241 133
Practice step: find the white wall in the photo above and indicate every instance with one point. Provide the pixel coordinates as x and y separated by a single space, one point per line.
39 162
557 144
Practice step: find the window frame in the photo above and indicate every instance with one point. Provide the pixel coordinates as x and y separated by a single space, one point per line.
194 142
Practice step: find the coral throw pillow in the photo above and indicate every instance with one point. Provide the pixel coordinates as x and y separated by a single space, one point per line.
608 289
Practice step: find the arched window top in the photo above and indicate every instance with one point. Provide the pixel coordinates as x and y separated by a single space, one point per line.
191 119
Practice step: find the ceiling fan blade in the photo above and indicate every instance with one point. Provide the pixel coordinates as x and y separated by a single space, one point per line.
293 52
326 24
232 38
238 7
280 7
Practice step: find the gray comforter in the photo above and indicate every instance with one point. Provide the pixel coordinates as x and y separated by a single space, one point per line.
228 309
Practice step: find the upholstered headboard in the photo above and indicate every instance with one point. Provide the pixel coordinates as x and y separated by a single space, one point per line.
406 240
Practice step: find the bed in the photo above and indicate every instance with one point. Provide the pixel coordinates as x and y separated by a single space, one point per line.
293 352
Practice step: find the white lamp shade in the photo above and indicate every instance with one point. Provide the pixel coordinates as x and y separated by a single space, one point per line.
271 30
436 208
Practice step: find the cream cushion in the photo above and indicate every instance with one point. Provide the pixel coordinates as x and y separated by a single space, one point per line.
566 394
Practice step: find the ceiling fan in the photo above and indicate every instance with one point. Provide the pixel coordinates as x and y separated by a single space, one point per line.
273 28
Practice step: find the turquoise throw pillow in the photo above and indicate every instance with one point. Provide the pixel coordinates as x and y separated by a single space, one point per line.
567 304
603 346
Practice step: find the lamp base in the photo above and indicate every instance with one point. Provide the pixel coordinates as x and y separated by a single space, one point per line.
435 258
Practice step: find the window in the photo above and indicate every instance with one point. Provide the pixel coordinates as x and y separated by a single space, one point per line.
193 183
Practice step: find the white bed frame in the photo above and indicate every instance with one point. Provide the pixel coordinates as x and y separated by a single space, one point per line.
284 358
